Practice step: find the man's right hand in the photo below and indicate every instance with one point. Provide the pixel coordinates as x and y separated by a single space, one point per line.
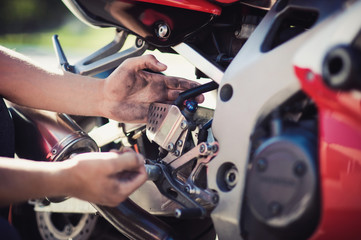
105 178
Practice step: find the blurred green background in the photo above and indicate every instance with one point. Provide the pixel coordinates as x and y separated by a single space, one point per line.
28 25
31 23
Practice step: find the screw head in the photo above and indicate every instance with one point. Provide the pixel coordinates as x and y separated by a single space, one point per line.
139 42
275 209
179 143
214 148
261 165
231 178
178 213
170 147
202 148
184 124
215 199
68 229
300 169
176 153
163 30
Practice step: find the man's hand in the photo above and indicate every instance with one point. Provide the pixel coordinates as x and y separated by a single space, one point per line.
130 89
105 178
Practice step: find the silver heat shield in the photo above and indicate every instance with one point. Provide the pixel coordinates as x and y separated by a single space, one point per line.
48 136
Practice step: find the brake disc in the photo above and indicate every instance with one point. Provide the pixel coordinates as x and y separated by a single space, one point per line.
64 226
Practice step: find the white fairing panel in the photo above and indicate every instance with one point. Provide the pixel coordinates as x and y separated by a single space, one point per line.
260 82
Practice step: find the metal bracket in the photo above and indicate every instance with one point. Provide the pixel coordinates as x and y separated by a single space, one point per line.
167 127
195 199
108 57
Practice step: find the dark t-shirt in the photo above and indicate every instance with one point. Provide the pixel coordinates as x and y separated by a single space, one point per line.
6 132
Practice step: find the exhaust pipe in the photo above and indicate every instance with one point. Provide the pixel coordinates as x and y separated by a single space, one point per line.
135 223
48 136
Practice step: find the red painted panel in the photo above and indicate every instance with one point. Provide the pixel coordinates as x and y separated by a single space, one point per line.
196 5
227 1
339 158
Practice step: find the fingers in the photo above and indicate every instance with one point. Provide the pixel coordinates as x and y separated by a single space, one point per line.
134 182
128 161
149 62
122 150
179 83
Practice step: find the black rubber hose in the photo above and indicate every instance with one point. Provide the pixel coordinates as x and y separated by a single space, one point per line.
192 93
203 132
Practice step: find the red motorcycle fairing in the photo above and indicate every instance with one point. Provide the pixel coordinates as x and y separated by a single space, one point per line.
195 5
339 123
147 19
339 157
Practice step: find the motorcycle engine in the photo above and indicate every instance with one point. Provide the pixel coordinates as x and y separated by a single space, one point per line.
282 196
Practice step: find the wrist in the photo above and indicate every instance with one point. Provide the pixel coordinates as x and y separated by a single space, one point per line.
64 179
101 104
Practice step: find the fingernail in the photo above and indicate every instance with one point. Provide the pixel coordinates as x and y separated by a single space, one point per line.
161 65
141 159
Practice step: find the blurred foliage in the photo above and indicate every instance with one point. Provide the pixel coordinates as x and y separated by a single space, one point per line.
33 22
25 16
72 35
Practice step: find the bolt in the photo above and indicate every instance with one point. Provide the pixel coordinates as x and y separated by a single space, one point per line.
231 177
275 209
54 151
237 33
179 143
202 148
300 169
178 213
214 148
184 124
187 189
139 42
261 165
176 153
68 229
163 30
170 147
215 199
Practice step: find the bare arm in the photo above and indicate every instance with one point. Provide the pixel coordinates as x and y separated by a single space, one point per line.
101 178
124 96
26 84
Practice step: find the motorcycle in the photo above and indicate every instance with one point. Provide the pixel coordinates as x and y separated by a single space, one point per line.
278 157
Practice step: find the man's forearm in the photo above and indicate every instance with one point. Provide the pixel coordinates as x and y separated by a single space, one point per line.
25 179
27 84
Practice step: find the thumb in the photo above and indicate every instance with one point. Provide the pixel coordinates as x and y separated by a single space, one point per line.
151 63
